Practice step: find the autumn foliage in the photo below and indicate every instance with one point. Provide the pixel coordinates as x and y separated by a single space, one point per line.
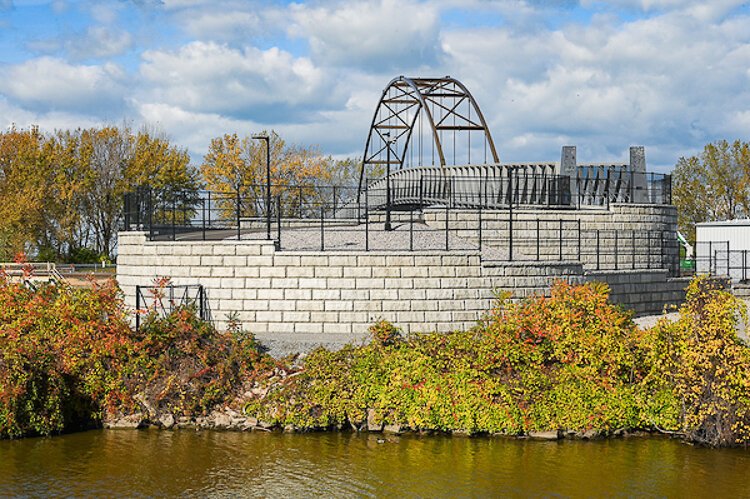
68 358
570 362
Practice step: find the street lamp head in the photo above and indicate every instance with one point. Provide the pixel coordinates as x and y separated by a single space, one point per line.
260 136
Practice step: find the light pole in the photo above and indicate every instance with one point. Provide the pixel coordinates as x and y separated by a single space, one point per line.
388 142
259 136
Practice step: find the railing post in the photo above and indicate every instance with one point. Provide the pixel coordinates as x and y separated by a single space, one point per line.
278 221
150 215
335 204
300 201
237 202
174 214
203 217
744 265
710 256
322 229
137 307
367 220
209 209
617 256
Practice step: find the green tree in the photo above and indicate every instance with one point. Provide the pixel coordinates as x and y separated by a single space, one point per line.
715 185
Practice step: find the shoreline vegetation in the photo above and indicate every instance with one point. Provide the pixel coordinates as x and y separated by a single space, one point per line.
570 365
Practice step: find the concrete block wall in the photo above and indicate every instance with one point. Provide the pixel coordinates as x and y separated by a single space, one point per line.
332 296
647 292
647 221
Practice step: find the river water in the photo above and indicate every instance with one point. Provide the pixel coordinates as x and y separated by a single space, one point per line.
153 462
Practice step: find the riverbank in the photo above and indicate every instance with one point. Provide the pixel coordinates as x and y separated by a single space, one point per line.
570 365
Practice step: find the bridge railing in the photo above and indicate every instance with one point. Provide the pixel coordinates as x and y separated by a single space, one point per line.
597 186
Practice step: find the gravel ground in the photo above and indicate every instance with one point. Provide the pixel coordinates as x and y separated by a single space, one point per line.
651 320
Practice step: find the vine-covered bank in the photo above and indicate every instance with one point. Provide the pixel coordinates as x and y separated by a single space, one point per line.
569 364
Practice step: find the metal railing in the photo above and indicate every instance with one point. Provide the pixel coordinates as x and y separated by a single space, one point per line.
599 186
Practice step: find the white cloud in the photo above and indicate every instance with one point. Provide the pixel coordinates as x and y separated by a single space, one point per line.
51 84
209 77
384 33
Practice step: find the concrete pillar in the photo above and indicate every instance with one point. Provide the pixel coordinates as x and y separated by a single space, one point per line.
569 167
638 172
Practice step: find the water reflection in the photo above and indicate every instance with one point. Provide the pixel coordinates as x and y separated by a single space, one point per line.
151 462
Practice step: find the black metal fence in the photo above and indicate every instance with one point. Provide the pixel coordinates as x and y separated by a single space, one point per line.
163 300
716 258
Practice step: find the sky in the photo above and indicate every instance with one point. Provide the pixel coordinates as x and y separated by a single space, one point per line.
667 74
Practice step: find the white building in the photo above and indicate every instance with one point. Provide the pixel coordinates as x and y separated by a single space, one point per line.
723 248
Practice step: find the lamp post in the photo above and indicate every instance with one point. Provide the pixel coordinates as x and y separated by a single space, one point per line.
268 181
388 142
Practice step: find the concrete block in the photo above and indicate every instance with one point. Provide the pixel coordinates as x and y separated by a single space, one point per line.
272 271
269 316
298 294
312 283
357 271
384 294
338 306
329 271
285 283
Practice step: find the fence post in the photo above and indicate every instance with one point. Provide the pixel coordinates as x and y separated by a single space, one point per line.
335 204
322 228
238 214
598 253
447 214
201 304
174 214
150 215
203 217
300 201
278 221
367 219
617 256
561 240
209 209
729 274
137 307
710 256
421 189
744 265
537 239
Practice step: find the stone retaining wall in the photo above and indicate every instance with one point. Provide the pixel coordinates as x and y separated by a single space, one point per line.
333 297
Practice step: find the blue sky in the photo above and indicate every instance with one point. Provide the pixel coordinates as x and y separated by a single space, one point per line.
668 74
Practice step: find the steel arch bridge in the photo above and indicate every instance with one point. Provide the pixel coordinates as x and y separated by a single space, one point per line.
426 122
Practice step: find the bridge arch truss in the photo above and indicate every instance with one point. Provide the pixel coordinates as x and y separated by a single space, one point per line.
426 122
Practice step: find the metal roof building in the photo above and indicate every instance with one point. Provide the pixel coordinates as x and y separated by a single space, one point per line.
723 248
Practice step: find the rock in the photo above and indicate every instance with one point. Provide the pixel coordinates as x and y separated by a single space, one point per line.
590 434
289 429
130 422
371 424
265 425
166 421
393 428
221 421
545 435
251 421
461 433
